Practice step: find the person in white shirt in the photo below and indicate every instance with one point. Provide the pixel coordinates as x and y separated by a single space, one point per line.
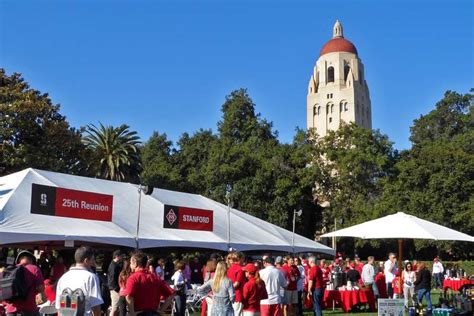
438 270
368 276
408 277
179 283
81 277
300 286
275 281
390 271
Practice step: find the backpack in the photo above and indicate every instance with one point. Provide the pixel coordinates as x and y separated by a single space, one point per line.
13 284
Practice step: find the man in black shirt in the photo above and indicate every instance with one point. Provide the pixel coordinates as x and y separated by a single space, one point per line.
353 275
112 281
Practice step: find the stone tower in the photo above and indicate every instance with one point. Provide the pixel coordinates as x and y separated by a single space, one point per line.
337 90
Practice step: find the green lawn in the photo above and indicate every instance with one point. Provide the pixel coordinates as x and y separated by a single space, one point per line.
435 295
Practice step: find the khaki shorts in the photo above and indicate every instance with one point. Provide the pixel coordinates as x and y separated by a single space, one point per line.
291 297
114 299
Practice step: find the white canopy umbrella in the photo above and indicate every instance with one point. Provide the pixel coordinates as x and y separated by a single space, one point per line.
400 226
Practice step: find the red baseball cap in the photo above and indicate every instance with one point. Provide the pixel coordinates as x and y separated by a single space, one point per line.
250 268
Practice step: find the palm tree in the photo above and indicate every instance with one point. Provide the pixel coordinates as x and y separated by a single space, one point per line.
114 150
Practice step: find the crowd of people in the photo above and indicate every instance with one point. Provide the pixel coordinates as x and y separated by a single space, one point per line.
138 284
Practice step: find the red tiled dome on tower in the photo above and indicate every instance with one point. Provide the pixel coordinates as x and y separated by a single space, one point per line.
338 43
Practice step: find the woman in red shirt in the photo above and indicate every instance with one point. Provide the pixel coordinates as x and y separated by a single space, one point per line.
253 292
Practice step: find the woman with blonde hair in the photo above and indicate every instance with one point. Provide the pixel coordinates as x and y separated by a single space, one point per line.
223 291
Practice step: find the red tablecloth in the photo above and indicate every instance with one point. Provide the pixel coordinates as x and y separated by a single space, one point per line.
455 285
348 299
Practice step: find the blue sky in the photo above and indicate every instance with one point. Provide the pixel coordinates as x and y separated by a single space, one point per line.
168 65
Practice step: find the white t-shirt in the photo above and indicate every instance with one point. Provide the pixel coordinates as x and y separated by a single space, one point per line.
389 275
275 281
438 267
178 279
81 278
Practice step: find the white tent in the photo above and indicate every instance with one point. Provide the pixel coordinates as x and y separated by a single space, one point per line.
400 226
20 221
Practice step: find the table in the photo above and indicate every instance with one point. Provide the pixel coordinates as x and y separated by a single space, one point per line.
347 299
455 285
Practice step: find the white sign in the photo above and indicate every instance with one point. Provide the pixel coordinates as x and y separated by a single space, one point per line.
390 307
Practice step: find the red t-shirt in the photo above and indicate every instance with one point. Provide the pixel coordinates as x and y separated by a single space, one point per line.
33 279
236 274
49 290
359 268
292 275
252 294
316 275
146 289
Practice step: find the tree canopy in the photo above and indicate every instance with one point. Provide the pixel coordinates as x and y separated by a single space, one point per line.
33 134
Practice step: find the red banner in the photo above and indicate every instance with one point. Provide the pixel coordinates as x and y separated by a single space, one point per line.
195 219
81 204
54 201
179 217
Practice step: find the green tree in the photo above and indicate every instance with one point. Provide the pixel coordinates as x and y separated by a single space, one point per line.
436 176
114 152
351 166
158 168
32 131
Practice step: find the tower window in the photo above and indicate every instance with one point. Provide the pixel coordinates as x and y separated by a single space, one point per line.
332 108
346 72
330 119
319 110
331 74
346 108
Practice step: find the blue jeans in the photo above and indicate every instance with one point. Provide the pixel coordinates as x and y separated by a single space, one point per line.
317 301
427 294
438 278
180 304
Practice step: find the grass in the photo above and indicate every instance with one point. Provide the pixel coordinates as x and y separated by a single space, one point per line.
435 295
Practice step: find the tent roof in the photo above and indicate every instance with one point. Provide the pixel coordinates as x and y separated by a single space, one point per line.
400 226
18 224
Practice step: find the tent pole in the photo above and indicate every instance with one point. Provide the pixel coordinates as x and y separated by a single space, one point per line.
138 217
400 264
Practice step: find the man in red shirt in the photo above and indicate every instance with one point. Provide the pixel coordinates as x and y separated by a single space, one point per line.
291 293
253 291
34 283
359 265
144 289
237 276
315 286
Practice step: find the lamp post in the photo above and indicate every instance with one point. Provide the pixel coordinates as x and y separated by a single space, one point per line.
334 240
228 190
147 190
295 212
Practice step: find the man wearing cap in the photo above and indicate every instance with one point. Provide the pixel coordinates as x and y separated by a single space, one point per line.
274 282
81 277
438 270
253 291
34 284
